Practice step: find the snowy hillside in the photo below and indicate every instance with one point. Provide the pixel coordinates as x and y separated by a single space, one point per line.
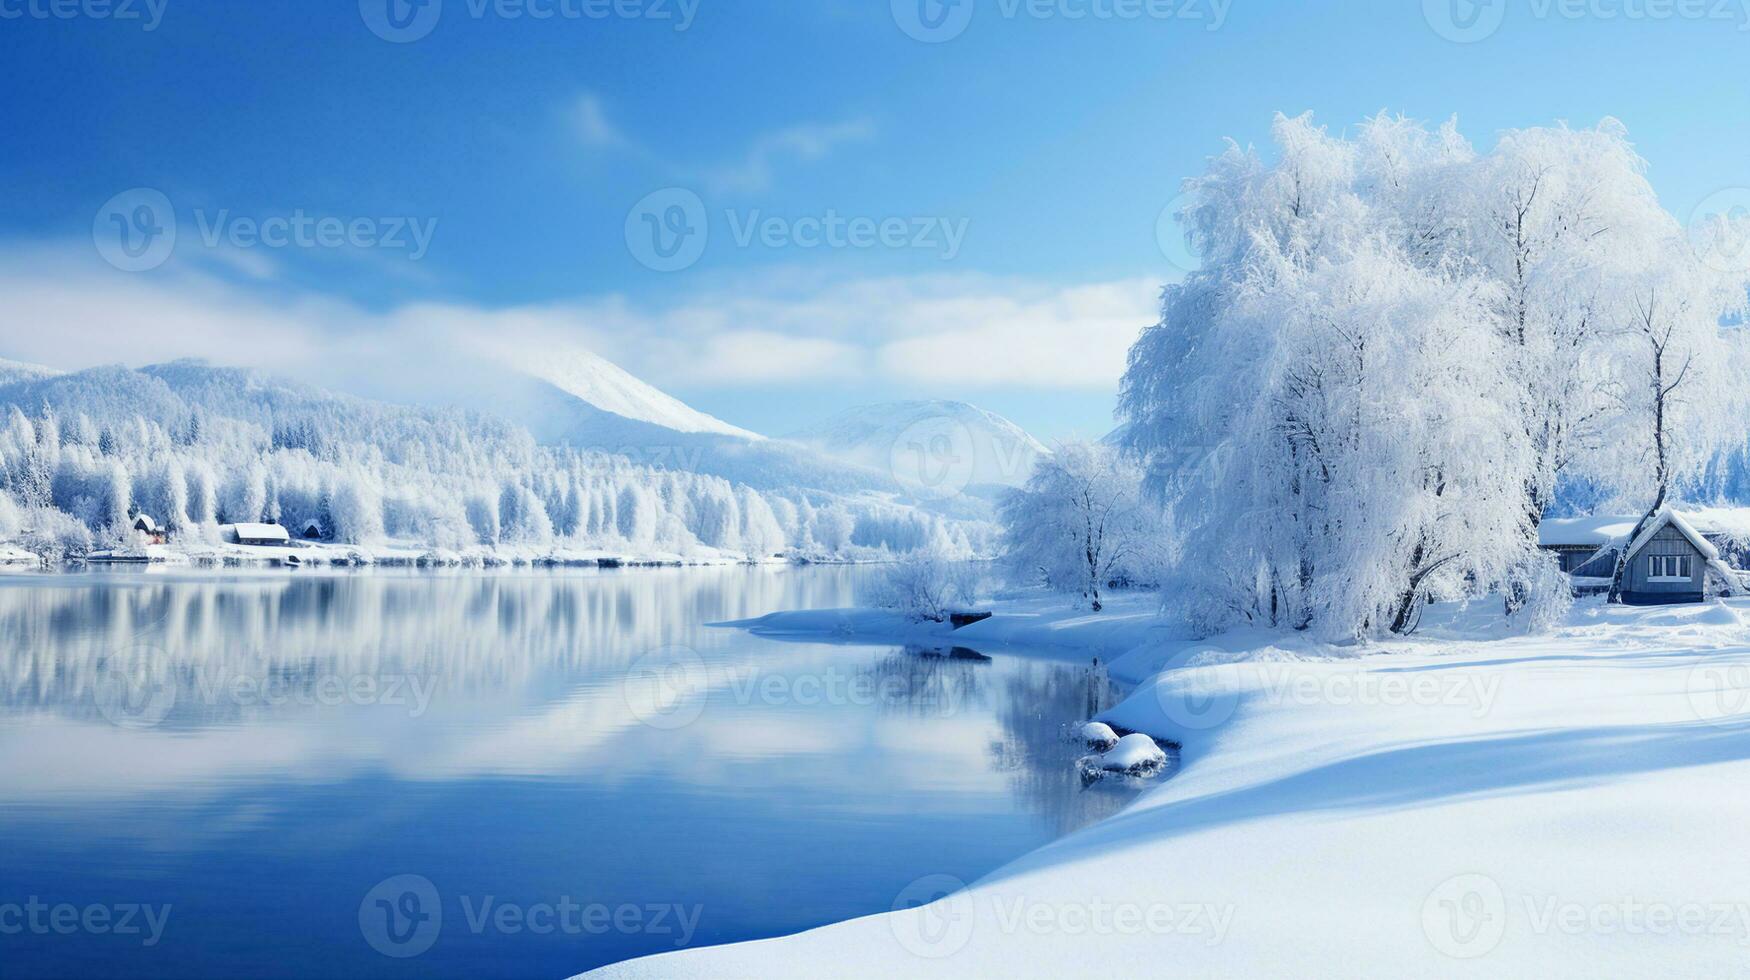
569 397
11 371
197 446
928 444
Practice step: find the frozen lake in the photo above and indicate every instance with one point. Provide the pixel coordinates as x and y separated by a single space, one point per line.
489 774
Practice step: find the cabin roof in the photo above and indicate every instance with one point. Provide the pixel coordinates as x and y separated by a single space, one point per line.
1672 519
1588 532
259 531
1604 530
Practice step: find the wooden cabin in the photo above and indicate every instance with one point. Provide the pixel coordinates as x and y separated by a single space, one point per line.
149 528
261 535
1671 561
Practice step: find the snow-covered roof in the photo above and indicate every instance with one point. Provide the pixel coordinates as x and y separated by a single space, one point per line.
1588 532
1671 518
260 531
1603 530
1729 522
145 523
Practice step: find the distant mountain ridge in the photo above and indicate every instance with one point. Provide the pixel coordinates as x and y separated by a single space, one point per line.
920 442
195 445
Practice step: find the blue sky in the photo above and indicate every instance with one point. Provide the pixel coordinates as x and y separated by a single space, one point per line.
1019 167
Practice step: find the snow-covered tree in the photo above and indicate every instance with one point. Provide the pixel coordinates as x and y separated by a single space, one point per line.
1395 351
1080 522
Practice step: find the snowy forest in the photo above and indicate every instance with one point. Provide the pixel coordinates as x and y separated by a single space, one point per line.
195 447
1400 355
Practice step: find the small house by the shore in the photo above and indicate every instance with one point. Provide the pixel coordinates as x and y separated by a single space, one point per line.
149 528
260 535
1671 561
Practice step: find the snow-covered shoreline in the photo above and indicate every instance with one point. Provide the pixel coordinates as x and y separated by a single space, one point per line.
1465 802
392 555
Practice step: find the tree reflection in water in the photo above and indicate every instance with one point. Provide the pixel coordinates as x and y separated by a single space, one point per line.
1040 705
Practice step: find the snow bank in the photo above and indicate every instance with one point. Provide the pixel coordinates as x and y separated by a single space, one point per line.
1563 805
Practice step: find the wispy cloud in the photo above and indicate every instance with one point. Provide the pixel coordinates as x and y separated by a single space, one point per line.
969 332
589 122
589 119
804 144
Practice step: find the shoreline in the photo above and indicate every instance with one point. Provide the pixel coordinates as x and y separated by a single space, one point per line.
1510 769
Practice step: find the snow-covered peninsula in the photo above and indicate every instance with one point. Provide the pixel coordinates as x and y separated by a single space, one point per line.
1467 802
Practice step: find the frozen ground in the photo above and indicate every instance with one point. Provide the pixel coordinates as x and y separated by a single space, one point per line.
1463 803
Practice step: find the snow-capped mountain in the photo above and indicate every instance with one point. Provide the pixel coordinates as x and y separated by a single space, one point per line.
607 387
928 444
573 397
11 371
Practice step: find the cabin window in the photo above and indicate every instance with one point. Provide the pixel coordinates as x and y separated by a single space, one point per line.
1668 568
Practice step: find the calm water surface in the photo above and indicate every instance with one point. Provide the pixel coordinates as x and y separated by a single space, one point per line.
516 774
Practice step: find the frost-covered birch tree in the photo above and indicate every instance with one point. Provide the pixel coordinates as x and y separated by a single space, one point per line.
1080 522
1395 351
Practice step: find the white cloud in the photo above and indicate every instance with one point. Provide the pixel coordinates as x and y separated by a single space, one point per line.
587 116
973 332
589 121
805 144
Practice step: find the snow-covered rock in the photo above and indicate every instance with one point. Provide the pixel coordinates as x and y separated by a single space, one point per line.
1134 753
1099 735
